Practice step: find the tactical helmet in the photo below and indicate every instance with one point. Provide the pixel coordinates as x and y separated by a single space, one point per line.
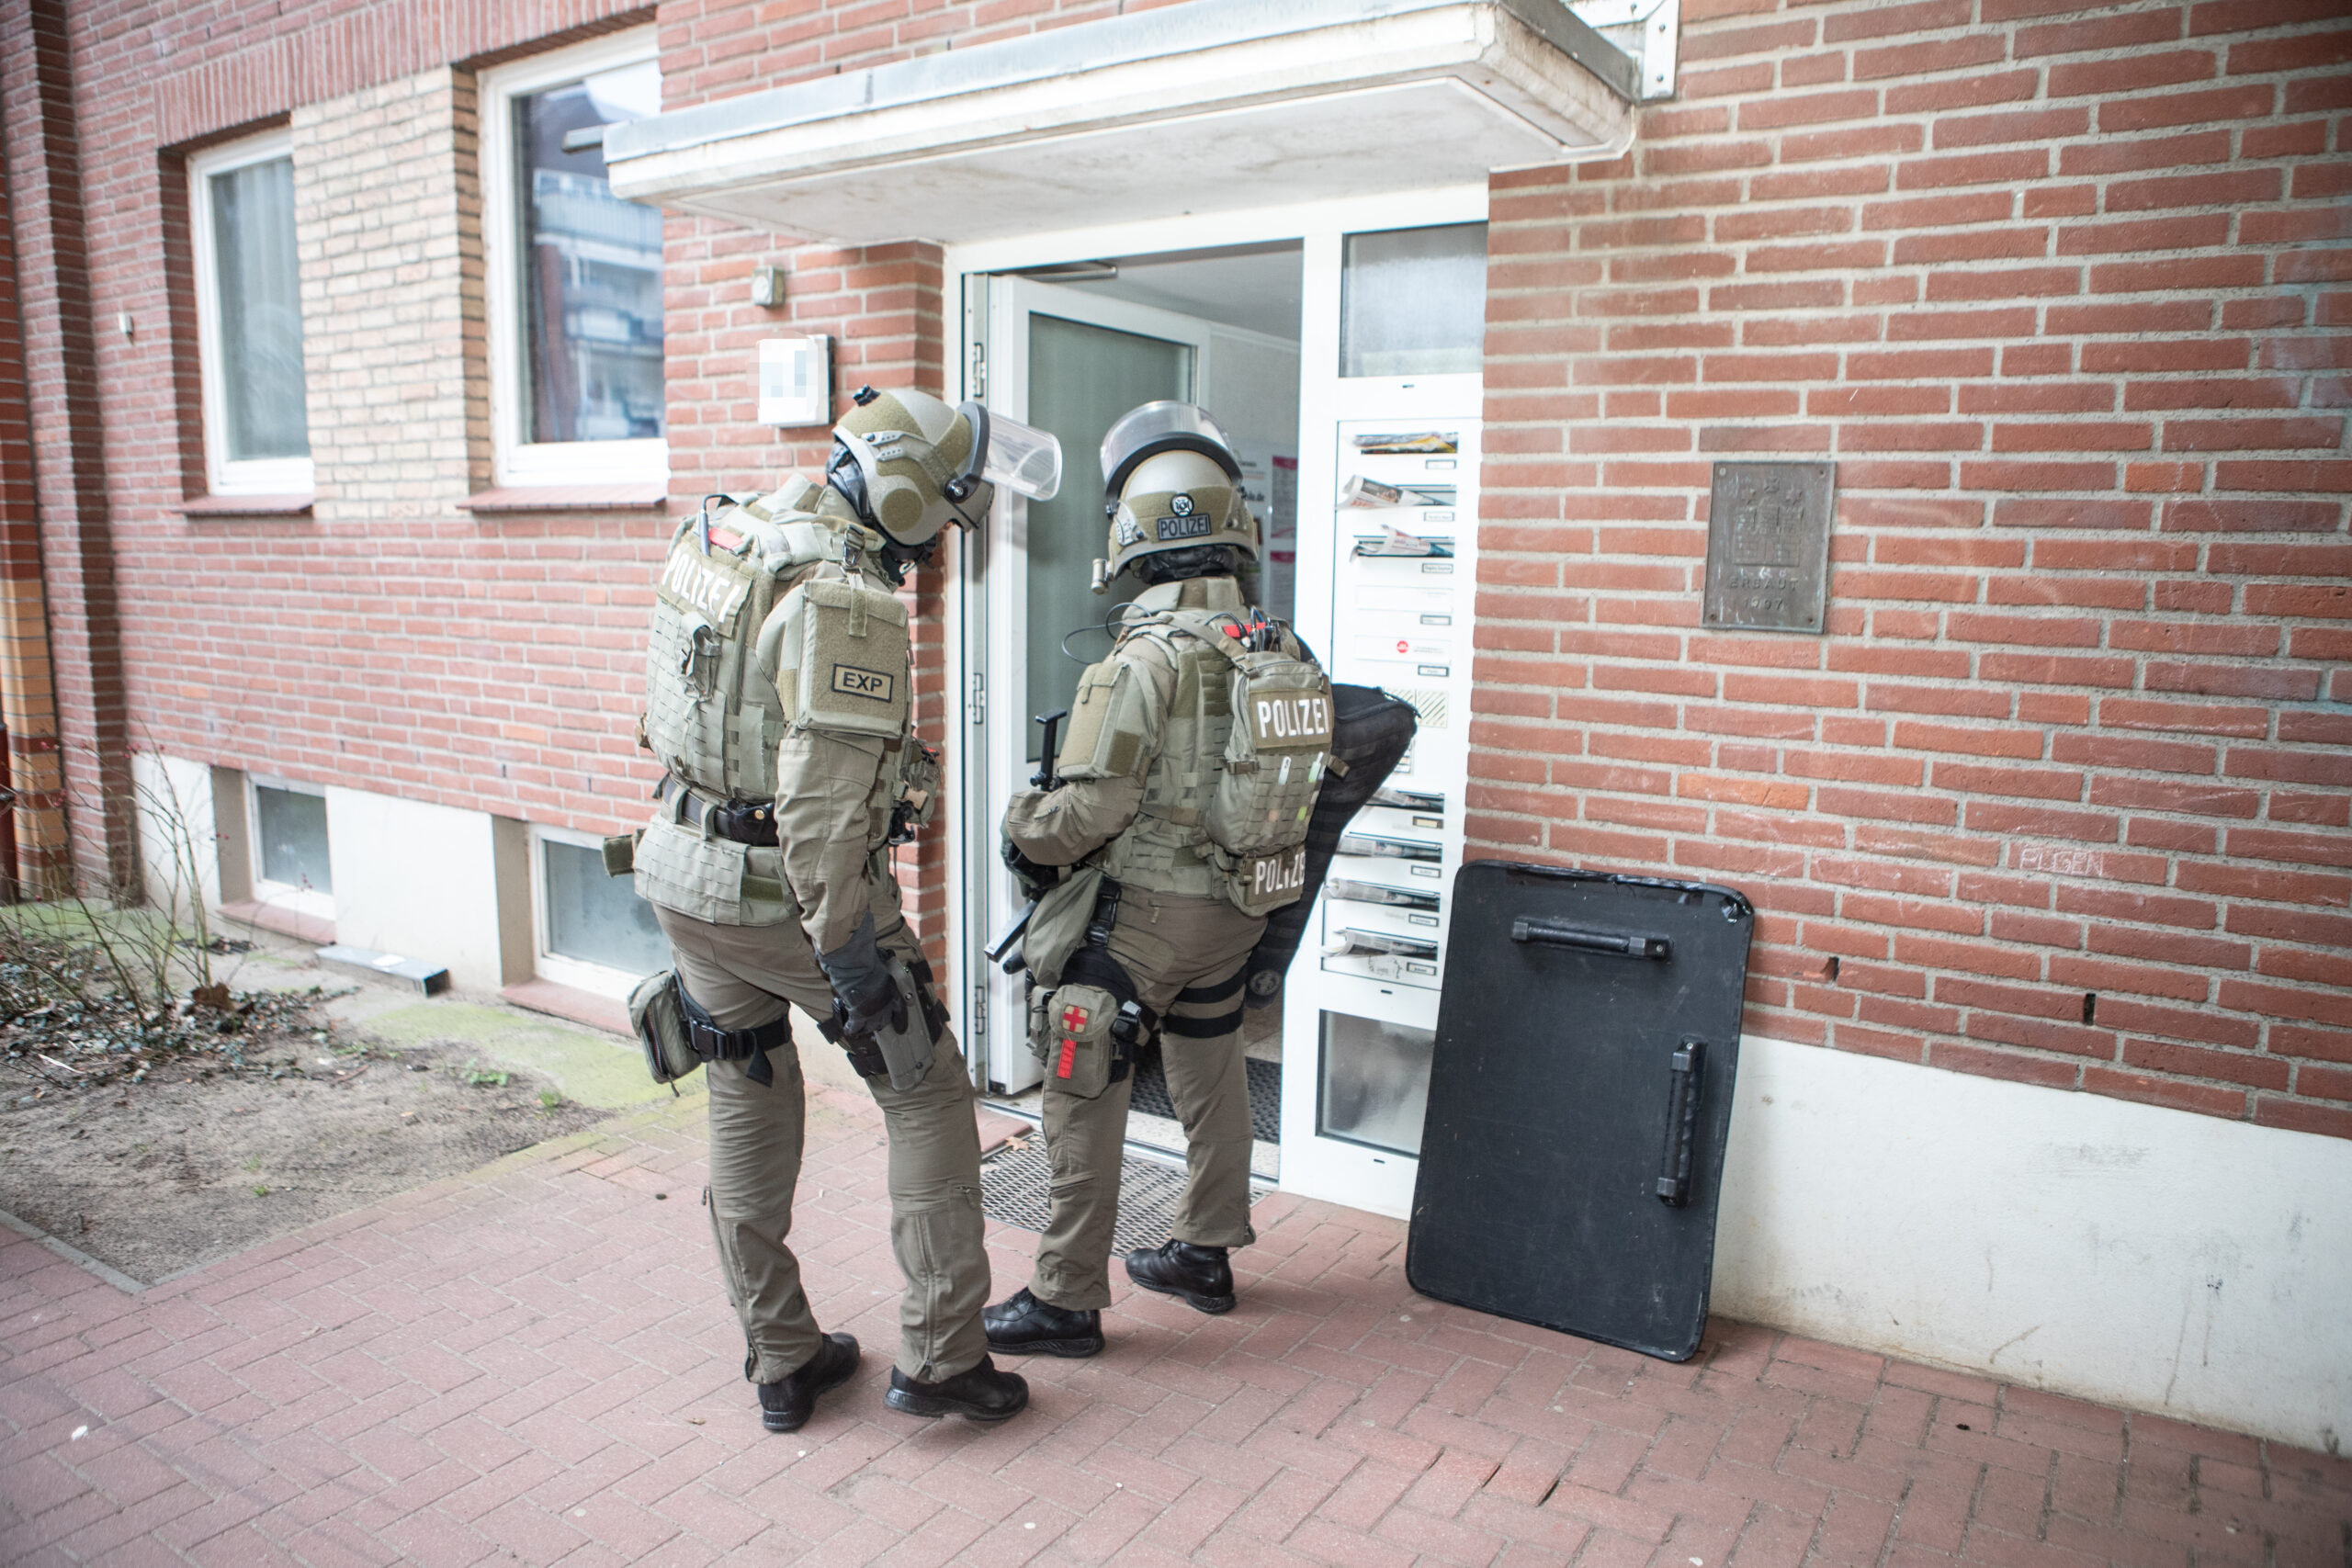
1172 482
912 465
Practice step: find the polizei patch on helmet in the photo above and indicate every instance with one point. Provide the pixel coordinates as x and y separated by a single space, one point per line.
1195 527
873 684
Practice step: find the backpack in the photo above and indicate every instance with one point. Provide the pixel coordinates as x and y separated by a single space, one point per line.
1276 750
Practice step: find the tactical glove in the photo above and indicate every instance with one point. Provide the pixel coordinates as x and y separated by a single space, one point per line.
864 997
1033 877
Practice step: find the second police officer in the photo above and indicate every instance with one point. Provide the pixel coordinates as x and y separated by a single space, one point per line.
1178 821
778 702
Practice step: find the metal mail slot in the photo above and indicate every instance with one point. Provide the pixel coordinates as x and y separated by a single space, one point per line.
1373 893
1388 849
1356 940
1408 799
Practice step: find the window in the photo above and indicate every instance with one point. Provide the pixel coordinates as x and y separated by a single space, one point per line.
1413 302
574 272
594 932
292 865
249 318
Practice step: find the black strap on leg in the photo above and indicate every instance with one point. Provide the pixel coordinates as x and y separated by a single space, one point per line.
1201 1028
713 1043
1228 987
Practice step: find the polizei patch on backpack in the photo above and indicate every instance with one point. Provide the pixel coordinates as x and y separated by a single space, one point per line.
710 585
1279 878
1279 721
872 684
1195 527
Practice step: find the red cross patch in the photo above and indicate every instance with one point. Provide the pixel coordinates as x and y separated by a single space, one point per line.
1074 1018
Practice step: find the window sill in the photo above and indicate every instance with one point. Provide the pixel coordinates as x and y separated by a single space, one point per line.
559 1000
294 504
317 929
639 497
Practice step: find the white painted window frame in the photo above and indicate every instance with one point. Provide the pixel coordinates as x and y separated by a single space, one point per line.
252 476
285 896
520 463
577 973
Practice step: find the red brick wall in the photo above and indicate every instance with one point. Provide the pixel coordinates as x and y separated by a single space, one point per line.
395 642
2062 291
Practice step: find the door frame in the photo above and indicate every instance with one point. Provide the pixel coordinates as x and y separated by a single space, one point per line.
1000 745
1337 1174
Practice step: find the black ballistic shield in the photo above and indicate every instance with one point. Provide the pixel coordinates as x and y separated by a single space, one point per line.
1370 732
1579 1096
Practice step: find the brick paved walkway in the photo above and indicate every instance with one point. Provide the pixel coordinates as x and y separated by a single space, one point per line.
534 1363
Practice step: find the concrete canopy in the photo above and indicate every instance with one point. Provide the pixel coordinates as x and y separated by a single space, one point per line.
1214 106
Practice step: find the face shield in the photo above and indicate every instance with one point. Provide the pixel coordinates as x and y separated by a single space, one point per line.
1005 452
1154 428
1023 458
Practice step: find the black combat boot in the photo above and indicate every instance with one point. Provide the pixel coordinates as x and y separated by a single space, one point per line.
1027 1326
982 1394
786 1403
1200 1274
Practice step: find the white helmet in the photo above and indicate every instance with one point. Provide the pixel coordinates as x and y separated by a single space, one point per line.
1172 482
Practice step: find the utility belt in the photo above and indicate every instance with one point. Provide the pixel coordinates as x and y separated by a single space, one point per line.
745 821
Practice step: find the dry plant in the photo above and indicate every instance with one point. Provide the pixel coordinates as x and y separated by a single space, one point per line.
94 993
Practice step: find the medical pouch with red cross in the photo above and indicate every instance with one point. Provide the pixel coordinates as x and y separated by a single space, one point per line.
1072 1035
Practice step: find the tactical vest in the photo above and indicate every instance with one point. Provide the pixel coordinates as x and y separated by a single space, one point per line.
712 716
1194 796
750 640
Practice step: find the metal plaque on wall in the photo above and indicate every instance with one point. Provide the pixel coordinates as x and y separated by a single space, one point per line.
1768 544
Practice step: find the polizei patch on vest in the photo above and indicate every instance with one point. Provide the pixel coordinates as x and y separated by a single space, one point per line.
692 581
1196 526
873 684
1282 875
1291 721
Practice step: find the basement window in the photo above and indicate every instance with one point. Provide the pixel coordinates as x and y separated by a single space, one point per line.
574 272
292 868
249 318
594 932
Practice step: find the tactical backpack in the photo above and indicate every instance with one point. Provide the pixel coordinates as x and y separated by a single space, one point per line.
712 716
1277 744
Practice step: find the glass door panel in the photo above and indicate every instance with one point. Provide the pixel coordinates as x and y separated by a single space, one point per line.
1081 377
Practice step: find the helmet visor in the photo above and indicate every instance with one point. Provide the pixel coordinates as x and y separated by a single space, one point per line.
1023 458
1163 427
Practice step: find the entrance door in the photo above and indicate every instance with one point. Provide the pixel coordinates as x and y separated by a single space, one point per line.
1068 362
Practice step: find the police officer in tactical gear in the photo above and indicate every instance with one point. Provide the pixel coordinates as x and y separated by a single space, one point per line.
777 699
1178 821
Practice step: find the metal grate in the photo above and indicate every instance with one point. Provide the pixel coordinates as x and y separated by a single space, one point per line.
1152 1098
1014 1190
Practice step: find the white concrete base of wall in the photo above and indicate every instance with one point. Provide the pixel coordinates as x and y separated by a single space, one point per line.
2128 1254
418 880
176 834
410 878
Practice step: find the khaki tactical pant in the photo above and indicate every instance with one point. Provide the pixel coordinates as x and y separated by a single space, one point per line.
743 975
1169 944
